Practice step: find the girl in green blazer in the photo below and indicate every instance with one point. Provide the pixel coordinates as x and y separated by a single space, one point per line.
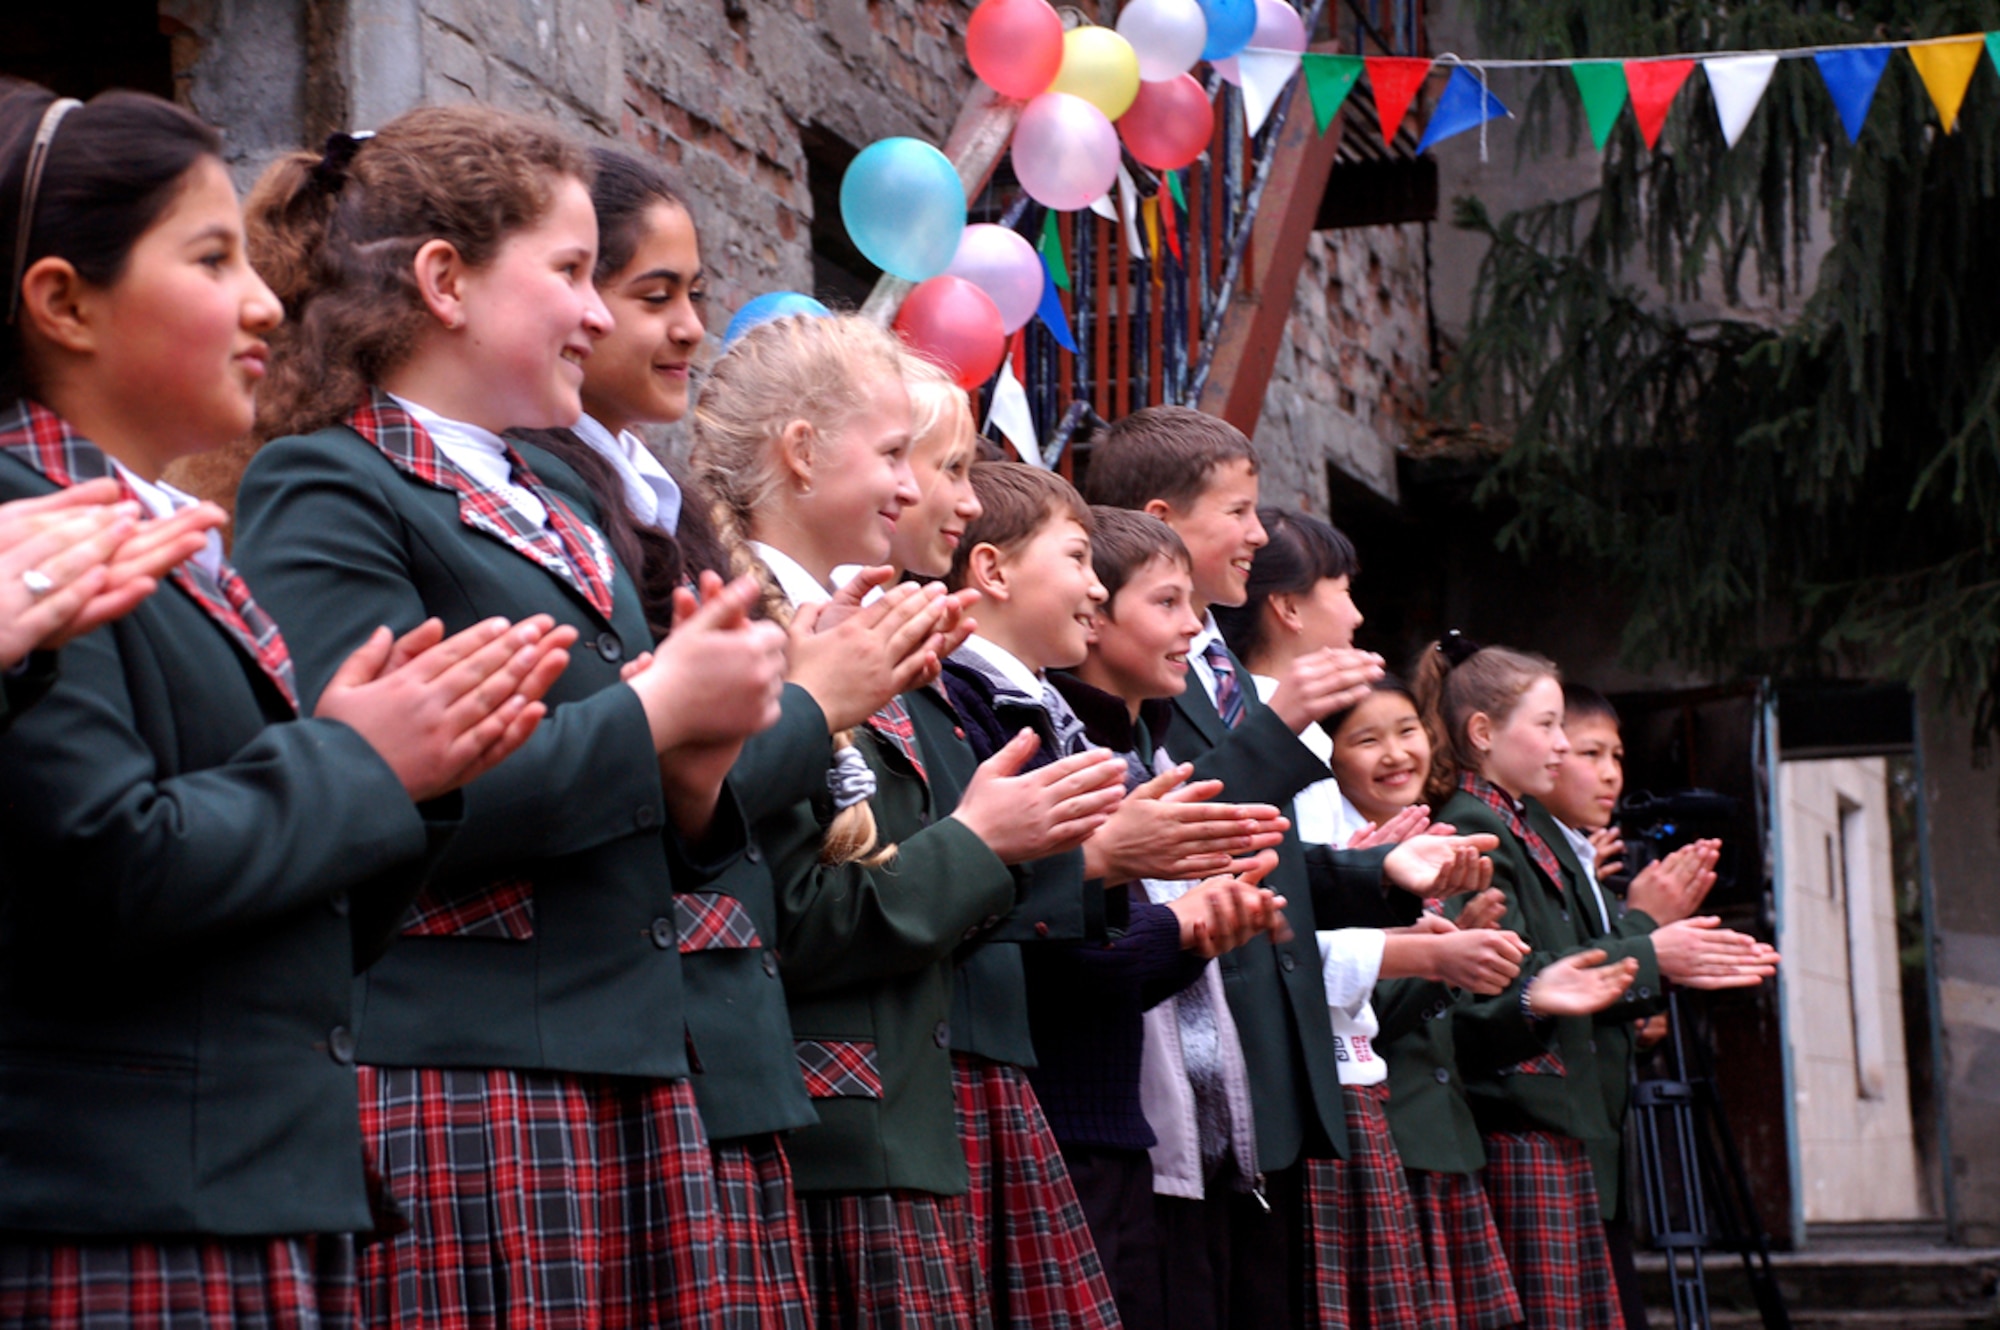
525 1049
193 870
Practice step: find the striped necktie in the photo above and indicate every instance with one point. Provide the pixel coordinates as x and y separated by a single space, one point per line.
1228 690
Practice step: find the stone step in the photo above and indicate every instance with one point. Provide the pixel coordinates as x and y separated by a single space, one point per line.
1851 1281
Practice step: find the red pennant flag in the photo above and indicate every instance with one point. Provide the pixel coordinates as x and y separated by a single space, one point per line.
1017 351
1394 79
1171 224
1653 84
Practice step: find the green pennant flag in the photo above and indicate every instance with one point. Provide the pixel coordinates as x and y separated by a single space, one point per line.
1329 78
1993 50
1174 188
1602 83
1051 251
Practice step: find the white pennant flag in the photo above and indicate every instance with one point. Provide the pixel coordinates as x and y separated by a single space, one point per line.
1265 74
1010 415
1738 82
1128 204
1104 207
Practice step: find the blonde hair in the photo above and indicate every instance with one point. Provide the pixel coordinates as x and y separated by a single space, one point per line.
818 370
940 412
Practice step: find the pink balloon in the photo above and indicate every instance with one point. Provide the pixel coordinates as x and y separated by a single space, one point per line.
1000 262
1015 45
1169 124
1279 28
1065 152
956 324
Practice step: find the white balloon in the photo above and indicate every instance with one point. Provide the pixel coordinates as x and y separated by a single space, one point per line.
1000 262
1279 28
1167 34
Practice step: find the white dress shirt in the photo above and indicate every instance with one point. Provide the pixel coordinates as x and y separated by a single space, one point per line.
799 586
479 453
161 500
1586 854
651 491
1010 666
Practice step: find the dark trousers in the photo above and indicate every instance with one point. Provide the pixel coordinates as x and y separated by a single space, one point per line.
1227 1261
1618 1237
1115 1188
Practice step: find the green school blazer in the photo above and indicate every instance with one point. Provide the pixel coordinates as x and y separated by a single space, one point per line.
867 965
1428 1113
1275 991
25 686
548 937
185 893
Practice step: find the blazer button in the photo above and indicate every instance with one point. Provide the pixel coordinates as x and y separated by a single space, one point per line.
647 816
1041 928
663 935
1286 963
770 965
1443 1076
753 854
1644 991
942 1035
609 647
337 902
340 1044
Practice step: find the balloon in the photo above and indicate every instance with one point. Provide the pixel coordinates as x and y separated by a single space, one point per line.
1015 45
1065 152
904 206
1170 123
1279 28
772 305
1166 35
1230 23
1100 67
956 324
1000 262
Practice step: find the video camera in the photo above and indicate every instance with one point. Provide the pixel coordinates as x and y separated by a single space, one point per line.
1654 826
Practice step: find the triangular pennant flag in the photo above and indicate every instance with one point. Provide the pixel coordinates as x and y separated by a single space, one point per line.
1174 188
1170 222
1051 313
1104 207
1394 79
1993 50
1737 83
1264 75
1851 76
1465 104
1946 67
1050 249
1602 84
1128 207
1010 415
1149 213
1329 78
1653 84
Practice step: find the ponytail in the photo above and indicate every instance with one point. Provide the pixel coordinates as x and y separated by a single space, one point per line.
1456 679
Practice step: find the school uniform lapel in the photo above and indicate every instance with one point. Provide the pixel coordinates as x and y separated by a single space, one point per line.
41 439
1193 703
1539 854
569 548
893 724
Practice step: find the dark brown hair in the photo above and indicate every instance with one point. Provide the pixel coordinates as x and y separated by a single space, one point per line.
1122 542
1582 702
1015 501
1303 552
1162 452
114 167
1490 680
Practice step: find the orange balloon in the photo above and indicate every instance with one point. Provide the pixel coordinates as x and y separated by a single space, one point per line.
1016 46
954 323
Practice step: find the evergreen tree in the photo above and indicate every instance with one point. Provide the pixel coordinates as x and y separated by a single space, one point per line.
1799 494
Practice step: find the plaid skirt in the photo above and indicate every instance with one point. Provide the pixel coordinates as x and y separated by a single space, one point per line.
562 1202
303 1283
1471 1286
760 1279
1028 1229
1364 1252
1544 1200
888 1261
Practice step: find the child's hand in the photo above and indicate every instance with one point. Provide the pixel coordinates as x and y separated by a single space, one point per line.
1609 842
1484 960
1222 913
1580 984
1673 888
1485 910
1322 682
1438 866
443 712
1701 953
1167 829
858 661
1409 822
1048 810
717 676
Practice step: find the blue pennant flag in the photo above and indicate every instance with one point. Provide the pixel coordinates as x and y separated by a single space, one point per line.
1851 76
1051 311
1465 104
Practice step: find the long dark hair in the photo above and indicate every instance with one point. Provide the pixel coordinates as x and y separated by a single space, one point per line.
624 188
1303 551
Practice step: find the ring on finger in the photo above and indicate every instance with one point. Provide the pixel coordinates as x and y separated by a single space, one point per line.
39 583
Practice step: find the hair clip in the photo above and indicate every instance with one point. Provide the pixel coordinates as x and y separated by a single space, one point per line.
1456 647
330 172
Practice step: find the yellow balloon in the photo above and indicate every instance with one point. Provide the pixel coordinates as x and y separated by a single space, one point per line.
1101 67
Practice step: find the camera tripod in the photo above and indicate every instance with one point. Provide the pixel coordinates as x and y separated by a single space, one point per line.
1696 1194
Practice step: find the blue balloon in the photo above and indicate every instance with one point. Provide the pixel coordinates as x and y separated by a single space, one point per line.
904 207
772 305
1231 25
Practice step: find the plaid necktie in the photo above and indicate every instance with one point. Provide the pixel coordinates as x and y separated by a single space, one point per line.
1228 690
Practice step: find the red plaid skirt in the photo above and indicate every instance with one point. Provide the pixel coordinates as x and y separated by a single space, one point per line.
1471 1286
562 1202
1042 1270
1364 1253
1544 1201
302 1283
888 1261
759 1276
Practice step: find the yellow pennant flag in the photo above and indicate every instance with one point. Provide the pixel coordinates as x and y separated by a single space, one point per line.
1946 67
1149 209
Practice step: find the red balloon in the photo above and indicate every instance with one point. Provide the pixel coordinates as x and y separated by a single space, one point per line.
953 322
1170 123
1016 46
